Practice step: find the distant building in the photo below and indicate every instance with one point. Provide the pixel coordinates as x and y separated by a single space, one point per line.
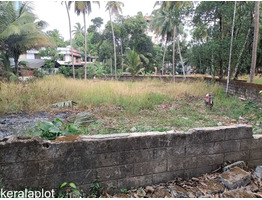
34 61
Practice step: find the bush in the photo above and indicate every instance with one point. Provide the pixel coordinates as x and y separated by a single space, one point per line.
66 71
56 128
38 73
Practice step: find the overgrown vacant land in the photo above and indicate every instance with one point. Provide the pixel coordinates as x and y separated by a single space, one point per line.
121 106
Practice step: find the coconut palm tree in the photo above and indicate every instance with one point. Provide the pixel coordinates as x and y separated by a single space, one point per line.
231 45
84 7
70 34
22 32
255 41
165 23
133 63
114 7
78 30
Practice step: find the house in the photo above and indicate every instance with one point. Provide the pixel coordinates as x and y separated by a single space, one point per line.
34 61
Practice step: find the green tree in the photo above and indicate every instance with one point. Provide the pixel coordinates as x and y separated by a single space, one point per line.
78 30
70 34
133 63
255 41
114 7
21 31
84 7
52 55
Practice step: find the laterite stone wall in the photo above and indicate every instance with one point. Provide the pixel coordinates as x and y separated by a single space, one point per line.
124 160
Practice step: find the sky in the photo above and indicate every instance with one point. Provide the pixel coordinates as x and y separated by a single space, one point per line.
54 13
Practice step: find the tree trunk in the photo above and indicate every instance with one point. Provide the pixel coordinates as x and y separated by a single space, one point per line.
71 42
255 41
163 61
231 45
181 59
240 54
114 42
16 64
85 44
222 38
174 46
111 68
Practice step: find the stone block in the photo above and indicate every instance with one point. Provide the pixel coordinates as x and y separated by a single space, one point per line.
19 170
167 176
199 149
254 163
153 141
208 160
255 154
240 132
106 159
21 184
150 167
128 157
258 171
115 172
227 146
205 135
235 156
176 139
176 151
234 178
135 181
159 154
79 178
196 172
240 164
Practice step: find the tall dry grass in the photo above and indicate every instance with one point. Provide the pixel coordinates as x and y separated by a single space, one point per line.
40 94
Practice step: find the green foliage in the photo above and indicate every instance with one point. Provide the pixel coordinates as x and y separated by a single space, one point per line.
52 130
96 188
123 190
133 63
56 39
92 69
69 190
38 73
66 71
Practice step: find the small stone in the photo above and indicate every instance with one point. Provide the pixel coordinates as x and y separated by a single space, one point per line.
240 164
233 120
258 172
219 124
238 193
178 192
141 192
240 118
133 129
161 193
185 118
149 189
235 177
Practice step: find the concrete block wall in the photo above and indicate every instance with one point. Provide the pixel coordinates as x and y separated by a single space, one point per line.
124 160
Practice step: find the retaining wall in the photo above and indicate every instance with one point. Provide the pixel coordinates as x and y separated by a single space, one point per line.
124 160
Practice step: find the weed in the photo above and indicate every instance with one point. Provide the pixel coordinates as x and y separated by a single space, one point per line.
69 190
123 190
51 130
96 188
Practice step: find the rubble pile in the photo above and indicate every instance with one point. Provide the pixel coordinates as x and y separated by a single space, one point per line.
232 181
